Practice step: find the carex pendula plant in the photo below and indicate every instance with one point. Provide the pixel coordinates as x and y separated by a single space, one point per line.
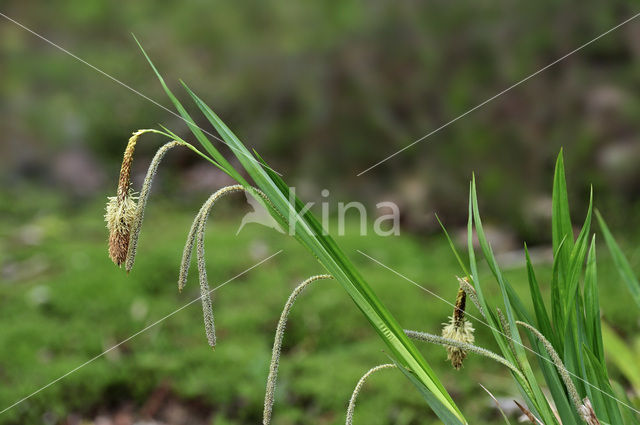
124 219
567 343
565 339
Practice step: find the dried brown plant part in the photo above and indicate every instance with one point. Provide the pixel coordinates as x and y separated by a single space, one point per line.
458 329
277 346
587 412
119 217
358 388
528 413
495 401
583 410
142 201
471 292
121 208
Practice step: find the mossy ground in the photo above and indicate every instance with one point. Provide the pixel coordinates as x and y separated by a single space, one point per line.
62 302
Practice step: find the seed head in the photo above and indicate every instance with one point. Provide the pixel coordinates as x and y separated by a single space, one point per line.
269 395
122 207
142 201
352 402
458 329
119 216
471 292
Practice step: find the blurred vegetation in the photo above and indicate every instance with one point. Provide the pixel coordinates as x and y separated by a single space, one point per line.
62 302
324 90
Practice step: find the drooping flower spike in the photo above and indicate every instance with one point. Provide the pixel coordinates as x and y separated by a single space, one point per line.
191 237
205 292
358 388
136 225
277 346
583 407
123 214
464 346
196 237
433 339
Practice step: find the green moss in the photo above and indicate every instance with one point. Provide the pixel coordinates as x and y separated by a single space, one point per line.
62 302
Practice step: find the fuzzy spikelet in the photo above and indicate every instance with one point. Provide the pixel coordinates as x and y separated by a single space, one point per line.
136 223
205 292
471 292
125 170
197 231
583 408
277 347
121 208
435 339
458 329
356 391
119 217
206 207
462 333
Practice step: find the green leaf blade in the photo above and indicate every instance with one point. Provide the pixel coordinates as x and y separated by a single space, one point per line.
309 233
621 262
560 217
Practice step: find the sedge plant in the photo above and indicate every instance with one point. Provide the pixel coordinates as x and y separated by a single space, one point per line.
565 337
125 211
566 342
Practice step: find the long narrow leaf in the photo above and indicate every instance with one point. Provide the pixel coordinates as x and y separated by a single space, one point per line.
519 356
453 248
592 304
544 324
309 233
621 355
621 262
219 158
560 218
602 384
576 261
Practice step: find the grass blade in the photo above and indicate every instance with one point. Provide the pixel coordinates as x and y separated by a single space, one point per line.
602 383
495 401
221 161
519 356
444 414
544 324
453 248
560 218
576 262
621 262
620 355
309 232
592 304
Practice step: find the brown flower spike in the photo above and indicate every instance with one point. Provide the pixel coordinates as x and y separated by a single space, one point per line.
122 207
458 329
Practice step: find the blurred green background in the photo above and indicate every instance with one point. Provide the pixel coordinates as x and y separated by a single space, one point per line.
323 90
